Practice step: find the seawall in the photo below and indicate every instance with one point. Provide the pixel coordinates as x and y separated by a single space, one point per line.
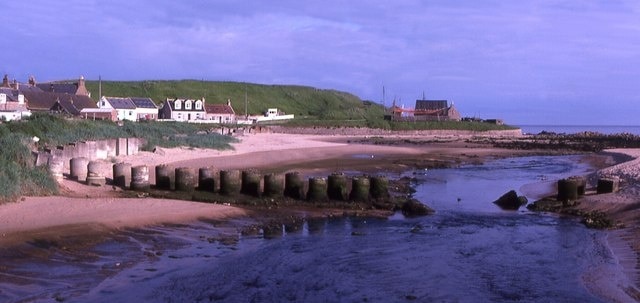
352 131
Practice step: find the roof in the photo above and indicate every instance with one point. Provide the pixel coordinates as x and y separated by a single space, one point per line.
219 109
45 101
171 103
431 104
143 102
120 103
52 87
28 88
38 100
12 94
73 104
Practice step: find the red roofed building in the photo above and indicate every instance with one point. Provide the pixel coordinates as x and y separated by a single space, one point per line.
220 113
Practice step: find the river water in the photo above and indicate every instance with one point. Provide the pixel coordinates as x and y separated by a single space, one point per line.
469 251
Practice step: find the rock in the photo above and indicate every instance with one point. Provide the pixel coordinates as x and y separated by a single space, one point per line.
413 207
159 151
568 191
511 201
546 204
597 220
608 185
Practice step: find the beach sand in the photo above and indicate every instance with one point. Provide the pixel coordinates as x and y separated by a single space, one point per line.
624 208
83 209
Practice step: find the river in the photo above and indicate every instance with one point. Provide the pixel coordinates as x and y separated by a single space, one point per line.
468 251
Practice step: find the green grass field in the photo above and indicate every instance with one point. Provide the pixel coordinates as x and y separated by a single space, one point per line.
311 106
302 101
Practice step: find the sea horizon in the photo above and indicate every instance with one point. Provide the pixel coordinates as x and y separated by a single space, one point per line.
572 129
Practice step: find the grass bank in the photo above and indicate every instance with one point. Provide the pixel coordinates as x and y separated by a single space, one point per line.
302 101
19 176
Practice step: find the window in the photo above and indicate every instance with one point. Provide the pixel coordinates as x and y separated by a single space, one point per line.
178 104
187 104
198 105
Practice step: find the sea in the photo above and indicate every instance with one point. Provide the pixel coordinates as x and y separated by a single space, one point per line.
572 129
470 250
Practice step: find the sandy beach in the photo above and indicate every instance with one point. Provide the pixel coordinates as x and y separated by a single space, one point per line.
81 208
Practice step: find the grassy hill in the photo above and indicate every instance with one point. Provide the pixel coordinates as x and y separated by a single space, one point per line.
311 106
302 101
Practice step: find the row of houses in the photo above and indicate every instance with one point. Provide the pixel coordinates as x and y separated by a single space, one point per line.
182 110
18 100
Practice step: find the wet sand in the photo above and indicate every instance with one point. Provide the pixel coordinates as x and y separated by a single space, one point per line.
624 208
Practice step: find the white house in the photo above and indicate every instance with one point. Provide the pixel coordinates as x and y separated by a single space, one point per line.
124 107
132 109
185 110
12 105
220 113
146 109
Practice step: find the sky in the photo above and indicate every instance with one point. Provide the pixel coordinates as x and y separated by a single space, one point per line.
527 62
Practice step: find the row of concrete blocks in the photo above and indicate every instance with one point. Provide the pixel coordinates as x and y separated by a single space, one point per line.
80 169
252 183
570 189
93 150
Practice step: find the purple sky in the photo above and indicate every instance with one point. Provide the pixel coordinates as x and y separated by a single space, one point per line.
528 62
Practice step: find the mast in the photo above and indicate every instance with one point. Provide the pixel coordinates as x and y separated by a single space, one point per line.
99 87
246 114
384 105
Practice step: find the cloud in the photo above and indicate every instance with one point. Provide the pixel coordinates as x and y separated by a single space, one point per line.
476 52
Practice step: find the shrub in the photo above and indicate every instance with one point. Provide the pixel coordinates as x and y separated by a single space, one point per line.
18 175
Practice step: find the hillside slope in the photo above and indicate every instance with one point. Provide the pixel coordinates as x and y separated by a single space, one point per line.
304 102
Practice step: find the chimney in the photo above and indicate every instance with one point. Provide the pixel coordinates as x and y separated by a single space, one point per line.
32 81
82 90
228 102
5 81
15 84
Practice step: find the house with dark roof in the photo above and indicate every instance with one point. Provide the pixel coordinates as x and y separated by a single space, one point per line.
220 113
132 109
425 110
57 102
439 110
64 87
124 107
38 100
12 105
146 109
187 110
